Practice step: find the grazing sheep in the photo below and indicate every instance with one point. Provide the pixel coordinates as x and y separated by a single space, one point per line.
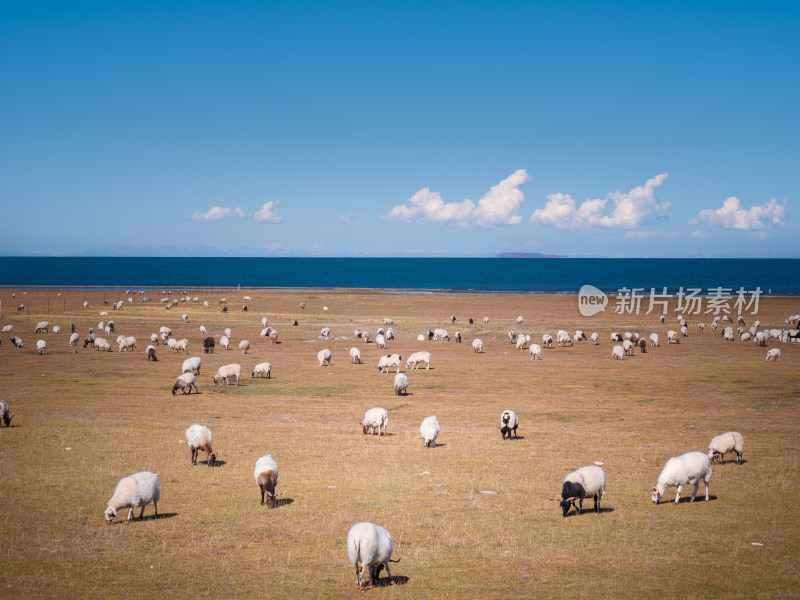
390 334
477 345
522 342
154 339
643 345
73 339
228 332
714 325
102 345
225 308
355 356
580 336
184 382
375 421
773 354
701 327
365 336
371 546
380 341
419 357
485 320
618 352
387 321
181 346
4 414
273 336
672 337
266 331
357 333
227 372
326 331
224 341
458 337
687 469
452 318
89 340
42 327
586 482
41 347
244 346
684 331
266 476
139 489
662 319
745 337
7 328
440 335
520 319
429 431
198 437
203 330
563 339
388 361
324 309
85 305
616 337
509 421
21 308
400 384
192 365
547 341
262 369
127 343
208 345
56 329
654 340
760 339
185 317
295 323
731 441
627 346
594 337
324 356
421 337
512 336
536 352
150 352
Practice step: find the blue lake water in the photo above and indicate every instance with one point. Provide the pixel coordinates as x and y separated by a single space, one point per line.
536 275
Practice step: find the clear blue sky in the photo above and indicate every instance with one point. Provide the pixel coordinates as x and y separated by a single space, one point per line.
430 128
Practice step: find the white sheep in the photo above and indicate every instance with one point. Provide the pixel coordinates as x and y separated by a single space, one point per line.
7 328
4 414
745 337
375 421
440 335
380 341
586 482
139 489
672 337
388 361
421 337
520 319
365 336
536 352
419 357
773 354
266 476
390 334
323 357
400 384
150 352
720 445
42 327
760 339
580 336
355 356
203 330
261 369
547 340
184 382
127 343
172 344
182 346
224 341
522 342
73 339
154 339
684 331
192 365
477 345
264 321
326 332
654 339
701 327
429 431
102 345
618 352
509 421
687 469
594 337
371 546
512 336
273 336
185 317
727 334
564 339
198 437
244 346
56 329
485 320
627 347
41 347
227 372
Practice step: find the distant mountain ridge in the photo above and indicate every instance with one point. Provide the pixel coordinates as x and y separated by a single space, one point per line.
526 255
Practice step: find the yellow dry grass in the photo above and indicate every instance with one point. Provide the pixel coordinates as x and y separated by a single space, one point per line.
82 421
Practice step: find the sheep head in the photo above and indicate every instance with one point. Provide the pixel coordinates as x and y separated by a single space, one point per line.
212 459
110 513
216 378
7 420
656 495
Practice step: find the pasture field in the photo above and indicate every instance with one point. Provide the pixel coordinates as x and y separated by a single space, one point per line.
472 517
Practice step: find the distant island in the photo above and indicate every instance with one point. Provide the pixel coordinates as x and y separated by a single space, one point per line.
526 255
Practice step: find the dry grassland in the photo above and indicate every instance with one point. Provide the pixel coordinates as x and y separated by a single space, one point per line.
82 421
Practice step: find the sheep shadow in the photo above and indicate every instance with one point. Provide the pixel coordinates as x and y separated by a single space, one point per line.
519 437
218 463
404 394
732 461
150 517
387 581
688 499
279 502
603 509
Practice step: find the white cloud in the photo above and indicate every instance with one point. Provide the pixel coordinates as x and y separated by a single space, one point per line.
699 235
732 216
627 210
267 214
348 218
759 235
215 213
498 207
642 235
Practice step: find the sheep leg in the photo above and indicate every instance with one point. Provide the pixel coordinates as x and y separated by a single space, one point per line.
130 514
678 495
580 506
694 493
262 496
597 503
194 456
141 514
738 458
